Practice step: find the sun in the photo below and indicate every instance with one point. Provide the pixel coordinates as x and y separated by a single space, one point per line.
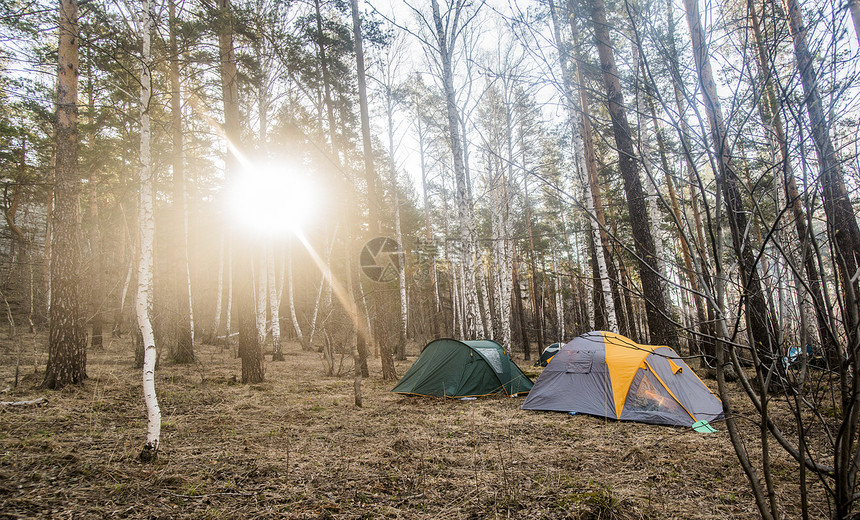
272 199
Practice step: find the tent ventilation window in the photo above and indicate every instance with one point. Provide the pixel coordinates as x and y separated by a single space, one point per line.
492 357
580 362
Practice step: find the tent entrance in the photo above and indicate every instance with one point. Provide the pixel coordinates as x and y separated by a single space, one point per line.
648 396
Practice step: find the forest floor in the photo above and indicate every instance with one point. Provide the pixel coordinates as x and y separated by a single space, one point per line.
296 447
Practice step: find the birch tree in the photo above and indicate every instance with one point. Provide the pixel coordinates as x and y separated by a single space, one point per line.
577 104
445 29
146 222
274 291
392 97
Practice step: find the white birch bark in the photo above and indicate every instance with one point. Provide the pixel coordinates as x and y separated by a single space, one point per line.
445 35
575 112
190 297
147 238
498 264
316 312
589 289
398 236
611 319
187 260
455 303
506 282
651 190
274 300
401 280
487 322
260 297
456 316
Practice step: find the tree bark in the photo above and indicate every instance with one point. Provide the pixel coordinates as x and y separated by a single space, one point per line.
761 330
705 328
843 229
662 330
97 294
147 242
535 294
518 303
274 302
400 349
67 354
464 209
219 294
180 319
250 350
773 119
428 233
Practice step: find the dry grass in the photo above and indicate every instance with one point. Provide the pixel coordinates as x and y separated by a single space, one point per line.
295 447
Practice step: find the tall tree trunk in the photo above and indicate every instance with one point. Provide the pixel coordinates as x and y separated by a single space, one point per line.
485 300
97 293
274 302
583 144
180 319
761 330
326 81
843 228
698 245
464 209
261 289
535 294
388 372
228 328
428 233
49 226
501 270
250 350
661 328
773 120
644 146
704 327
147 242
398 236
367 148
518 304
67 338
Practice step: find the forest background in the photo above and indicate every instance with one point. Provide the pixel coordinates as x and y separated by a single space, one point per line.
683 174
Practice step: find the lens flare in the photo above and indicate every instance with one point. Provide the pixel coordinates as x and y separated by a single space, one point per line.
272 200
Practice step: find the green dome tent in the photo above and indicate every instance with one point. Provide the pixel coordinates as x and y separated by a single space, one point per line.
451 368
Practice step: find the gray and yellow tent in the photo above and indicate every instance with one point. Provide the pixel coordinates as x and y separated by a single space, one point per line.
451 368
608 375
